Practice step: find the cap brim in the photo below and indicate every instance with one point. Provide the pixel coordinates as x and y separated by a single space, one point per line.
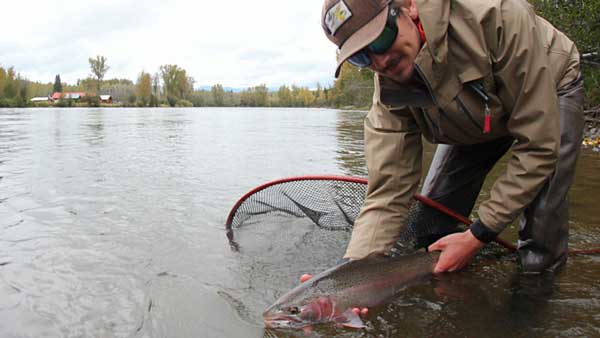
361 38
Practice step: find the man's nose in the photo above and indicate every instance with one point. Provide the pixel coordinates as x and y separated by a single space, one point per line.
378 61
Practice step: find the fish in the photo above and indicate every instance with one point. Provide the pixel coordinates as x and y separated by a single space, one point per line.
331 295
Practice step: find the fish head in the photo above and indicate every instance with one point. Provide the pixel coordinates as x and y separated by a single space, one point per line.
298 314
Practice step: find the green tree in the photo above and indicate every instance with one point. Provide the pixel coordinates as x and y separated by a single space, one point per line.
177 85
57 84
354 87
143 89
11 85
197 98
320 96
285 96
83 85
255 96
305 97
3 76
218 94
40 89
23 96
155 98
580 21
99 68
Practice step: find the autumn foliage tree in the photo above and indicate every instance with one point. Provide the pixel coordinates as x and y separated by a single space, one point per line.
143 89
176 83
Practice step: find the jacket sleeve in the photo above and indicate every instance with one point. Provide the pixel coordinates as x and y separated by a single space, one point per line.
393 151
527 90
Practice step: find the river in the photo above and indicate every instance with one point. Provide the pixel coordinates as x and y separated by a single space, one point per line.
112 225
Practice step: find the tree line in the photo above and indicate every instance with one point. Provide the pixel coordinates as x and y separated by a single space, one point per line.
172 86
169 86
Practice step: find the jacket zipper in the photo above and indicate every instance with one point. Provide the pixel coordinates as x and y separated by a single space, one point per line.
430 91
480 90
422 75
467 112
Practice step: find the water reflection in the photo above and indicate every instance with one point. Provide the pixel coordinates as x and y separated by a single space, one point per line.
94 134
350 151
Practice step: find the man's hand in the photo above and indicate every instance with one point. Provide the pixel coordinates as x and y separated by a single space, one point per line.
457 251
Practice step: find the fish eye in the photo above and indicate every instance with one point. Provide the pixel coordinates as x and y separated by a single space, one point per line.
294 310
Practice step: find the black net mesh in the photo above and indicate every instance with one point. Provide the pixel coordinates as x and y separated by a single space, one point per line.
423 226
331 204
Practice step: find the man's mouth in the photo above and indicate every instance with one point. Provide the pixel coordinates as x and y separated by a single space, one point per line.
391 66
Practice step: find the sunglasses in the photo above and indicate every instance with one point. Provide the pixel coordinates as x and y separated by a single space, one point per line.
384 41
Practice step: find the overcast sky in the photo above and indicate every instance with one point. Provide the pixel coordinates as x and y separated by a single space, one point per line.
237 43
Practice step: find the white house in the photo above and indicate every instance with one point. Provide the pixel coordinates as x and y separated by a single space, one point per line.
106 99
41 99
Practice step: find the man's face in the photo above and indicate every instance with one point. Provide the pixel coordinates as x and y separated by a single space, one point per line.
397 62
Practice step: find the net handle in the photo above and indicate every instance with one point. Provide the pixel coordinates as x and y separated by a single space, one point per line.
464 220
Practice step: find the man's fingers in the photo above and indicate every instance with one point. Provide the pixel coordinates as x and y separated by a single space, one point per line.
439 268
437 246
442 265
305 277
360 311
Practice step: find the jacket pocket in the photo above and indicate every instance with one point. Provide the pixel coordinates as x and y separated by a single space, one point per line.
391 119
473 108
480 102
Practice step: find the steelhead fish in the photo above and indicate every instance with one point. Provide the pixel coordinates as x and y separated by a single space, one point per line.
331 295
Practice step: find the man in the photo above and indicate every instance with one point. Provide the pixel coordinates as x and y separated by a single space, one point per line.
478 77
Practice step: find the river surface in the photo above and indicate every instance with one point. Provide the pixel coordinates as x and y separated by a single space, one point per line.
112 225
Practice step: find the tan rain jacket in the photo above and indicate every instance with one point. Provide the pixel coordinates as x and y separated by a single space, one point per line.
491 57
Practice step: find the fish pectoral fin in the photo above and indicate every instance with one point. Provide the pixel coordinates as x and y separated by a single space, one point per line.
350 319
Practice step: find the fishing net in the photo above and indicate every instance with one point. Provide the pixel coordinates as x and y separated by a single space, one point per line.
329 203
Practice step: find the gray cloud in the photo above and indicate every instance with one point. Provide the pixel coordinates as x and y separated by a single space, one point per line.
235 43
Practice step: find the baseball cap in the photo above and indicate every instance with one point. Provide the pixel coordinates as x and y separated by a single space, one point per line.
353 24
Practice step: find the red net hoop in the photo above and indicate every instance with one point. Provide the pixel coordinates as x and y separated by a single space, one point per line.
330 202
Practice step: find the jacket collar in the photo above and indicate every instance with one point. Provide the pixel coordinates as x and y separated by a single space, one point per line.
435 17
432 60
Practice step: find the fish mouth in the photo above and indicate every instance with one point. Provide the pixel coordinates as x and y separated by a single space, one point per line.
283 322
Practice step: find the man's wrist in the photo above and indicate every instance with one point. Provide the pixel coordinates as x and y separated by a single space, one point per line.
482 232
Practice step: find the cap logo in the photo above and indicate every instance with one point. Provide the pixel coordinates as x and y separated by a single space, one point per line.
336 16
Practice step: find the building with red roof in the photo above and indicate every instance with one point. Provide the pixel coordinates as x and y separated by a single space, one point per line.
68 95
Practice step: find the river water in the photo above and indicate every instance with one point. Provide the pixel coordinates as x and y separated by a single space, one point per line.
112 225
